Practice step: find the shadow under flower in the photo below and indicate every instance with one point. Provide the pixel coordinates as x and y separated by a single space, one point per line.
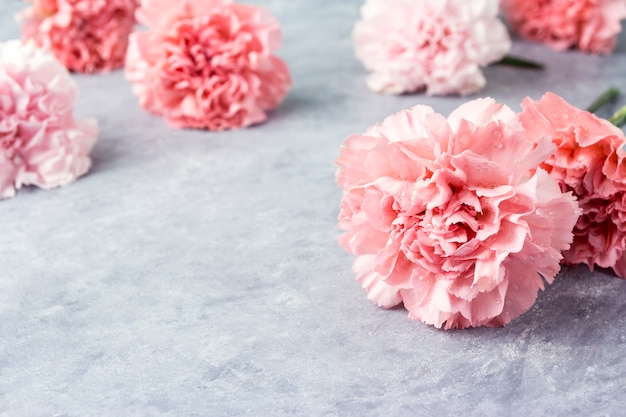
103 155
297 104
580 307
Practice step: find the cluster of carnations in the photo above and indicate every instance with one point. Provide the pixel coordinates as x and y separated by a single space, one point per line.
464 218
440 46
206 64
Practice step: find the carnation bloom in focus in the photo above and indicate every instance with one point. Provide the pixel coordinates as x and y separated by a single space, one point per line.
207 64
436 45
589 25
85 35
450 216
589 162
41 143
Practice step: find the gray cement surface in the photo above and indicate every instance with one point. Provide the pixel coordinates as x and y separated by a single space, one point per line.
198 274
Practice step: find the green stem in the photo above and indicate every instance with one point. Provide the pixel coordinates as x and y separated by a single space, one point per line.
604 98
619 118
515 61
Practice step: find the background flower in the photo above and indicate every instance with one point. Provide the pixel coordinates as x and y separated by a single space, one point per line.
85 35
207 63
589 161
443 215
437 45
40 141
589 25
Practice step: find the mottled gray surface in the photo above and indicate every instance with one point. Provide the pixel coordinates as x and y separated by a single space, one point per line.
197 274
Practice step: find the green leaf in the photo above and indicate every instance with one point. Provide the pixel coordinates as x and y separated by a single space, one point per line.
514 61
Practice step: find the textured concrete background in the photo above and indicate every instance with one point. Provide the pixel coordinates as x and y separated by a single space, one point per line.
198 274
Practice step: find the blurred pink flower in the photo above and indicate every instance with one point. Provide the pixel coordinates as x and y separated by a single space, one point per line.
589 25
450 216
207 63
437 45
85 35
590 162
41 143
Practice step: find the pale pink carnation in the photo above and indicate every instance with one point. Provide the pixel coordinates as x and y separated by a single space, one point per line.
207 64
450 216
41 143
589 25
590 162
436 45
85 35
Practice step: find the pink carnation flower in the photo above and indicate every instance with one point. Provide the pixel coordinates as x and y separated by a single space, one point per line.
207 63
590 162
437 45
448 216
40 141
589 25
85 35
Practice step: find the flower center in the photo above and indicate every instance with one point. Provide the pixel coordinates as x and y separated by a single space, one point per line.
207 53
434 37
440 232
